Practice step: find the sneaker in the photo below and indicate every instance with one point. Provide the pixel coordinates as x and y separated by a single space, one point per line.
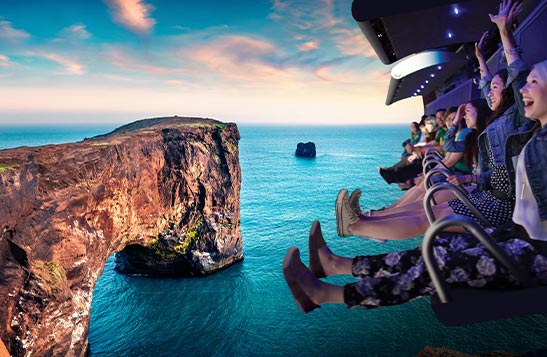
354 201
344 214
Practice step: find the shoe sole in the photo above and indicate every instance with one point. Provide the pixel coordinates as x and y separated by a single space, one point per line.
339 216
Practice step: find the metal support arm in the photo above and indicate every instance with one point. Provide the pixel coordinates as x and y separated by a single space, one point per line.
489 242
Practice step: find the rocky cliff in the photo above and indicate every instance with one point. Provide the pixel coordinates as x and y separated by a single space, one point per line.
163 193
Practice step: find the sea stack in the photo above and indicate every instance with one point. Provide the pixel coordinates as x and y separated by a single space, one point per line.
305 150
162 192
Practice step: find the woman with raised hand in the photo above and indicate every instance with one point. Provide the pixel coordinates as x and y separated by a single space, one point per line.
398 277
494 196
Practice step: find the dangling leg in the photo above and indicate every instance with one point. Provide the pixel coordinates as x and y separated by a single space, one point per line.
401 225
385 289
323 262
308 291
470 265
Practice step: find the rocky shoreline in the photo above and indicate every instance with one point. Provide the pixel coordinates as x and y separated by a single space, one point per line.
162 192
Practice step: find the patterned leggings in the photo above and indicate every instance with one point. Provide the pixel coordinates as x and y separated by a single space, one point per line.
398 277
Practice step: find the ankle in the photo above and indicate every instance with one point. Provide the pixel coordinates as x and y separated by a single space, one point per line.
313 288
332 264
326 259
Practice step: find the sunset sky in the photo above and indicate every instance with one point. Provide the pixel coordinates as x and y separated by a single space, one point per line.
245 61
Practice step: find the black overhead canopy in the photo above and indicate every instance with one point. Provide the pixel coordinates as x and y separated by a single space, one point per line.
398 28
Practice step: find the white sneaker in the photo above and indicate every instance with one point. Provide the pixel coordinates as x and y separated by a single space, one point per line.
354 201
344 214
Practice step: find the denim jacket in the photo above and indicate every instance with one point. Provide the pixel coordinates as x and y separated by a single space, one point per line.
453 143
535 159
508 123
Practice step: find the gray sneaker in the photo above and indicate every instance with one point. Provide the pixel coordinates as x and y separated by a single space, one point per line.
344 214
354 201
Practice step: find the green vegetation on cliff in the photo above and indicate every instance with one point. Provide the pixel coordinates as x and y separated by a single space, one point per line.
4 167
191 236
53 279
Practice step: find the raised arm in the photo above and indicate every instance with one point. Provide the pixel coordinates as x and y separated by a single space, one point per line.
479 53
507 14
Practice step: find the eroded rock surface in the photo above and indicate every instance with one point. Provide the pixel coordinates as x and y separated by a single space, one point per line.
164 192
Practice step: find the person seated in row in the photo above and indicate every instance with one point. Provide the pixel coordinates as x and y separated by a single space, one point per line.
454 143
494 195
416 137
398 277
408 168
441 126
444 122
476 114
428 126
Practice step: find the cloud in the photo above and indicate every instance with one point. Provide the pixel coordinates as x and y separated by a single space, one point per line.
308 46
4 61
353 42
329 19
8 33
132 14
75 32
70 66
279 5
239 57
308 21
305 15
127 61
333 74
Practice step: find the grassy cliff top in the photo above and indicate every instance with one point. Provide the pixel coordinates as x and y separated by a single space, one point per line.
164 122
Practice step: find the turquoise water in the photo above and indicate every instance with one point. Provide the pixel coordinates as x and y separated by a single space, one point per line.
247 310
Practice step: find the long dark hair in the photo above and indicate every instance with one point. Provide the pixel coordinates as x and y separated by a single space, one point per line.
484 117
507 96
418 132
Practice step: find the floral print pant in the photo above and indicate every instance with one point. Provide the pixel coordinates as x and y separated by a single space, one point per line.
398 277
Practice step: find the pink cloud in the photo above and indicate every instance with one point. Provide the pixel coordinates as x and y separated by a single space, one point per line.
328 13
238 56
71 66
4 61
353 42
323 73
132 14
308 46
351 76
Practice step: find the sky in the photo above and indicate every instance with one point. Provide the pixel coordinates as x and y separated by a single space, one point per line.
281 62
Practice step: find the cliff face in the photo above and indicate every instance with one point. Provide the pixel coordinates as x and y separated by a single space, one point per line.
163 192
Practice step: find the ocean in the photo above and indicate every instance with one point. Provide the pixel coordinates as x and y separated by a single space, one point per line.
247 309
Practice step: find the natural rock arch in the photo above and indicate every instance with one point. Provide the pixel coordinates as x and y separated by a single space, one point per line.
163 191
